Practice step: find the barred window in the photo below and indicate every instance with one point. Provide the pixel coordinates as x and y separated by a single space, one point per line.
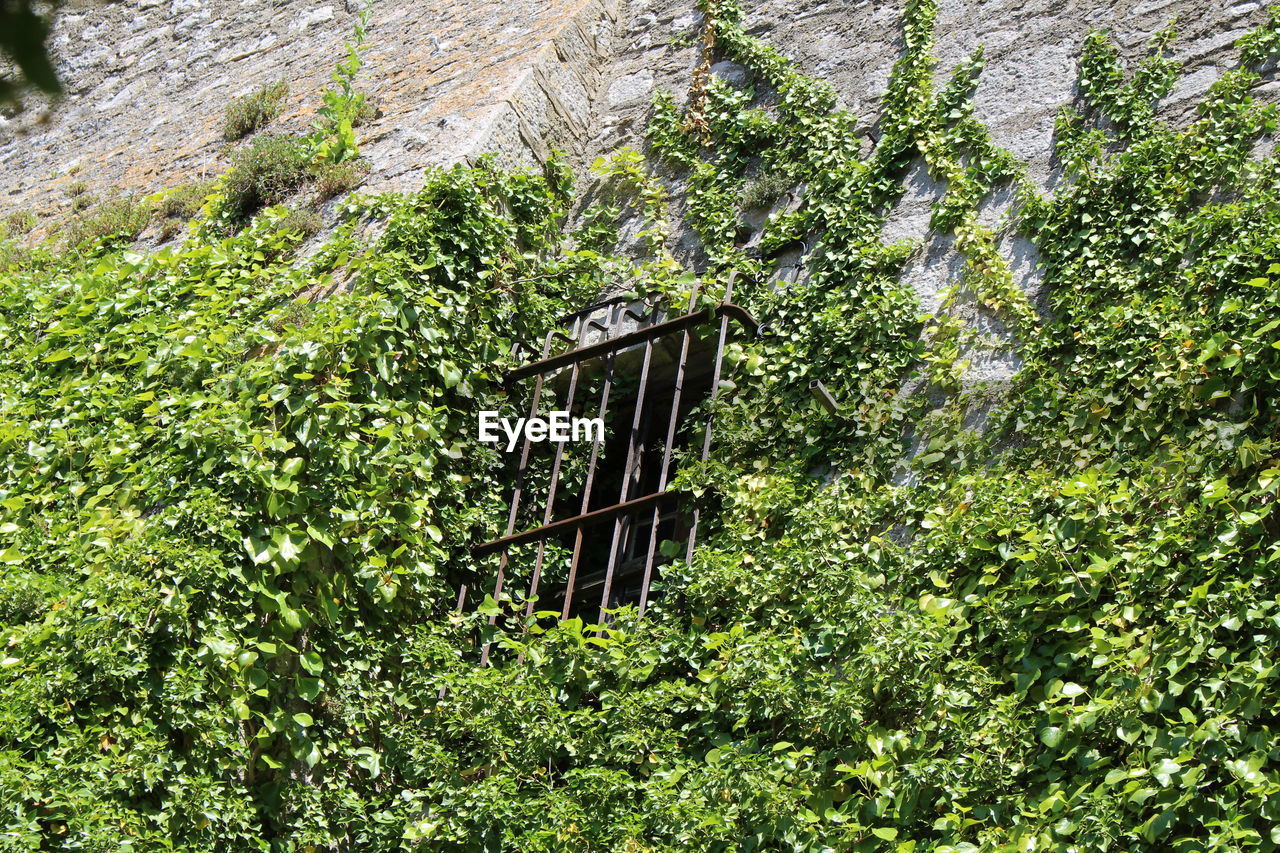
586 520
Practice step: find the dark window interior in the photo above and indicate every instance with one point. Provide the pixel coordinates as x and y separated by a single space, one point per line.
590 518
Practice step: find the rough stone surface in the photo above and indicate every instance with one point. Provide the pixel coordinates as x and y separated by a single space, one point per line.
147 84
147 81
1031 48
909 218
631 88
932 269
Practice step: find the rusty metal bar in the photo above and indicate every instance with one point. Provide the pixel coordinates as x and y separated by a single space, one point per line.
515 500
648 333
637 472
555 479
578 522
706 431
673 422
632 460
590 481
520 474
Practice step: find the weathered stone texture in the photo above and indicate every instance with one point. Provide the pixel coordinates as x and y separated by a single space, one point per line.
148 81
1031 51
512 78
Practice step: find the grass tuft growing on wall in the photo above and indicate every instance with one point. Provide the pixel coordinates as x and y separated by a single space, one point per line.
19 222
254 111
123 218
265 172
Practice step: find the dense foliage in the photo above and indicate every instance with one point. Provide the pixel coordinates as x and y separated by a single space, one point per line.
234 519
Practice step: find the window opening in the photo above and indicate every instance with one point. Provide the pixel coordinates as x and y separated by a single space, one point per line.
585 521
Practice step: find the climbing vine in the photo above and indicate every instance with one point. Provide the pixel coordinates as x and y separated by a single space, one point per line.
235 516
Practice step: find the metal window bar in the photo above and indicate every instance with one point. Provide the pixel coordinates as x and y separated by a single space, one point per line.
632 446
673 422
555 474
586 489
715 390
660 505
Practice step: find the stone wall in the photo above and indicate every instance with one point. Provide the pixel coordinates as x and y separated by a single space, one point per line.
147 83
1031 50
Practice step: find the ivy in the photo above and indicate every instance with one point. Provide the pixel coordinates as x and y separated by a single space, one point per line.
232 498
235 516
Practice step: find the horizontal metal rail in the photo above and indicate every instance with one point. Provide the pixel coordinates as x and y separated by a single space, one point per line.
605 303
639 336
577 522
627 517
